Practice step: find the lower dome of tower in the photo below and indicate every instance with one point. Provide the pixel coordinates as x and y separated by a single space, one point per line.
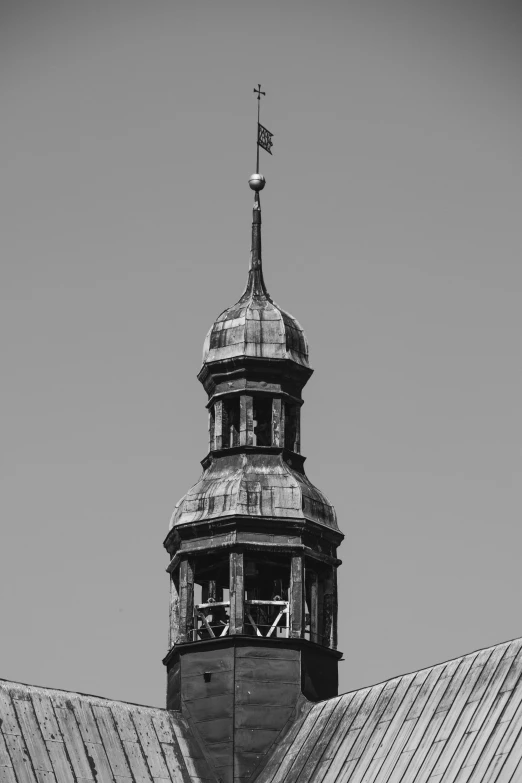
256 327
253 485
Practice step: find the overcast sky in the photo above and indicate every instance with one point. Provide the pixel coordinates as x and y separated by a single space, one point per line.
392 231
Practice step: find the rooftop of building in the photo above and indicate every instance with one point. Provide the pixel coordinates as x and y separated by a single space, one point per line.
454 722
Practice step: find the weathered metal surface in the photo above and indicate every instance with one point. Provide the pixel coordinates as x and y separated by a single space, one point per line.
253 484
243 704
256 326
250 374
49 736
456 722
274 534
319 673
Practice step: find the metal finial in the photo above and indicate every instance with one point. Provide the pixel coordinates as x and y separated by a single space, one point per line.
257 182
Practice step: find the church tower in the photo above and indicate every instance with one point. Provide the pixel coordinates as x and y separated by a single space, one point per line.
253 544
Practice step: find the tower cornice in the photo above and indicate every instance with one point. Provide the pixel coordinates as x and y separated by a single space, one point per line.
270 531
260 643
294 460
239 374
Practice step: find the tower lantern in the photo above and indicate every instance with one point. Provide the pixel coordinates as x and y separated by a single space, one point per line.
253 544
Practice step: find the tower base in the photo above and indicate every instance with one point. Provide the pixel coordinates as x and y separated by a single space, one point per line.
239 693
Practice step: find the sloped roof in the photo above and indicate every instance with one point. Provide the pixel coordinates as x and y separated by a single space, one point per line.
255 326
458 722
50 736
260 485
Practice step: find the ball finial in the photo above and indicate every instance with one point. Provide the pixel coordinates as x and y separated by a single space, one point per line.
257 182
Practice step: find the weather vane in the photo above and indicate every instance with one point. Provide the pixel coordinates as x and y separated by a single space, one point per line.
264 140
264 137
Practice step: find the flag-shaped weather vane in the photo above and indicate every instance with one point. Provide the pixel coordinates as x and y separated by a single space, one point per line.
264 140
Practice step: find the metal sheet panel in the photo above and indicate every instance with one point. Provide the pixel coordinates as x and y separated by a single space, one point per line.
49 736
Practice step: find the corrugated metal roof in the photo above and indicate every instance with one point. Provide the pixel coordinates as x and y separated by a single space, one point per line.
50 736
458 722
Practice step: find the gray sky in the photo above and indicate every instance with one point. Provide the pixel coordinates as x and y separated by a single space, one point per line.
391 231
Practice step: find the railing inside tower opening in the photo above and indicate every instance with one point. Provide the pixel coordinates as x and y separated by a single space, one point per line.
211 620
268 618
262 618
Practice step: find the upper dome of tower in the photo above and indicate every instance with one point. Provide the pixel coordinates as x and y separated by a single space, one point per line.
256 326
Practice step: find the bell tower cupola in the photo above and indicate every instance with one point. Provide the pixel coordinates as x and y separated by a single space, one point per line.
253 544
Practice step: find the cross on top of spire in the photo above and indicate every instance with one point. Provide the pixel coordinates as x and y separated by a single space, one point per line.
259 92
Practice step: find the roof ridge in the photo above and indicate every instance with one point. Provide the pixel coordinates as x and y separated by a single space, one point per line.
14 684
423 669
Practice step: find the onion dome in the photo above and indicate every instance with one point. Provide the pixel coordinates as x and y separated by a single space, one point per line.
256 485
256 326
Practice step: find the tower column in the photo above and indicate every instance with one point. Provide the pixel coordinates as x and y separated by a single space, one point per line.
218 426
334 609
237 592
314 605
174 610
211 429
246 420
330 610
296 596
278 422
186 599
297 441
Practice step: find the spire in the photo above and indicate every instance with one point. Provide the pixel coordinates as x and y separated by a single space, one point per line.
255 284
